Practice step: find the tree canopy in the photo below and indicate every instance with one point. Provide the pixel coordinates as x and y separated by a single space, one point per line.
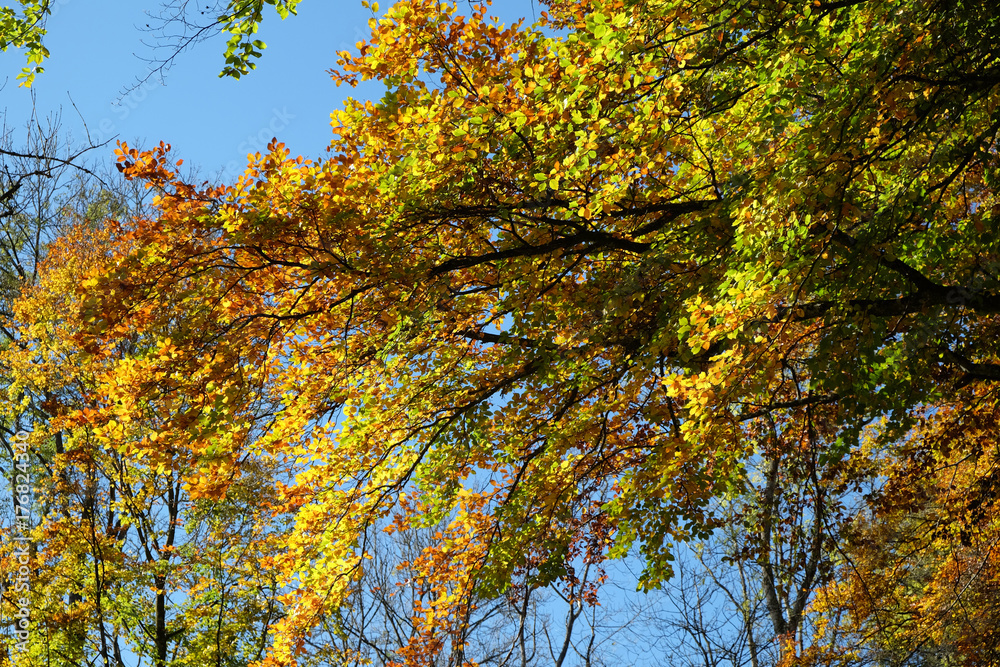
569 291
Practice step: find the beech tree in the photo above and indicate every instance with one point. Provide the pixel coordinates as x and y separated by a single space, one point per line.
570 290
125 561
46 189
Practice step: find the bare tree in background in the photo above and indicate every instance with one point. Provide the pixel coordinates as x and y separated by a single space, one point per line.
742 597
577 620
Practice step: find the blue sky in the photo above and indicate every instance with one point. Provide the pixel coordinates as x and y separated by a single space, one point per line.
97 58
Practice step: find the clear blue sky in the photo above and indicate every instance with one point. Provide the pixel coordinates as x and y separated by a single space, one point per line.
97 55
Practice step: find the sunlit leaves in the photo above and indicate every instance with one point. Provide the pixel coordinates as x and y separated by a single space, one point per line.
564 291
24 28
